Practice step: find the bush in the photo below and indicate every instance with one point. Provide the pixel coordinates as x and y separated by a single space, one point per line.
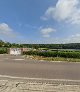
54 54
3 50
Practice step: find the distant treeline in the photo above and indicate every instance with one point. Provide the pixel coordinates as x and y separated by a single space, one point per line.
36 46
54 46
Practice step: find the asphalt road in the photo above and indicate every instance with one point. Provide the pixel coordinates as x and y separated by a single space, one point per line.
19 67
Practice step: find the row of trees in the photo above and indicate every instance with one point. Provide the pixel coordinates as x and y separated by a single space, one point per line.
36 46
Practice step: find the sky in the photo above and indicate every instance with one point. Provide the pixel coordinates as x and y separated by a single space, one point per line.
40 21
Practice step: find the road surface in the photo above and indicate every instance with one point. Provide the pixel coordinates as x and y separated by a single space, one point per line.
19 67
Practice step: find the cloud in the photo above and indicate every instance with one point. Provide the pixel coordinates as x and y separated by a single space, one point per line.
5 30
73 39
65 10
47 31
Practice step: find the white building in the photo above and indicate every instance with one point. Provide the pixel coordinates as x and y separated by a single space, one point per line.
15 51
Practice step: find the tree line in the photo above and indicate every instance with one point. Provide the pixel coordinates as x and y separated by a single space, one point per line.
36 46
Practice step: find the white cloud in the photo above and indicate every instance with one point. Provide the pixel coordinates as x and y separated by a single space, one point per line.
73 39
47 31
69 39
5 30
65 10
76 35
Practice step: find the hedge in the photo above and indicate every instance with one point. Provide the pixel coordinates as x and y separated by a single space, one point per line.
54 54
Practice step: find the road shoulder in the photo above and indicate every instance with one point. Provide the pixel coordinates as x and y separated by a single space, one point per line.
38 85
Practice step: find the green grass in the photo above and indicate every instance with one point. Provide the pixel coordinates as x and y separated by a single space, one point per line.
53 59
63 59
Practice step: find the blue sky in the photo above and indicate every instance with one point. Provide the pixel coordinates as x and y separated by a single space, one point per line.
40 21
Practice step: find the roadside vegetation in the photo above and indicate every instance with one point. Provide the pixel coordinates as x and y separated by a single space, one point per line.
64 54
54 52
52 59
70 56
3 50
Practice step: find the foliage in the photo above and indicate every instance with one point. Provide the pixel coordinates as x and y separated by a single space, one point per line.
54 54
36 46
3 50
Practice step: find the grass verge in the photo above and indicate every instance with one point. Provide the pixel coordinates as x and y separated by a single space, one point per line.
53 59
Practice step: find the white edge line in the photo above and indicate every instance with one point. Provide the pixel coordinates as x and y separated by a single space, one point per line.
44 79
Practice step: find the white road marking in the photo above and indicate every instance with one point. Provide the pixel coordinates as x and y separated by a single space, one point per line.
18 59
44 79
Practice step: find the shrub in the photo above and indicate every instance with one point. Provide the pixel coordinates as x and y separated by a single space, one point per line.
54 54
3 50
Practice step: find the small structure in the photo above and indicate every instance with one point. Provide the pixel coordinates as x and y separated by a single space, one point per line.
15 51
26 49
19 51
